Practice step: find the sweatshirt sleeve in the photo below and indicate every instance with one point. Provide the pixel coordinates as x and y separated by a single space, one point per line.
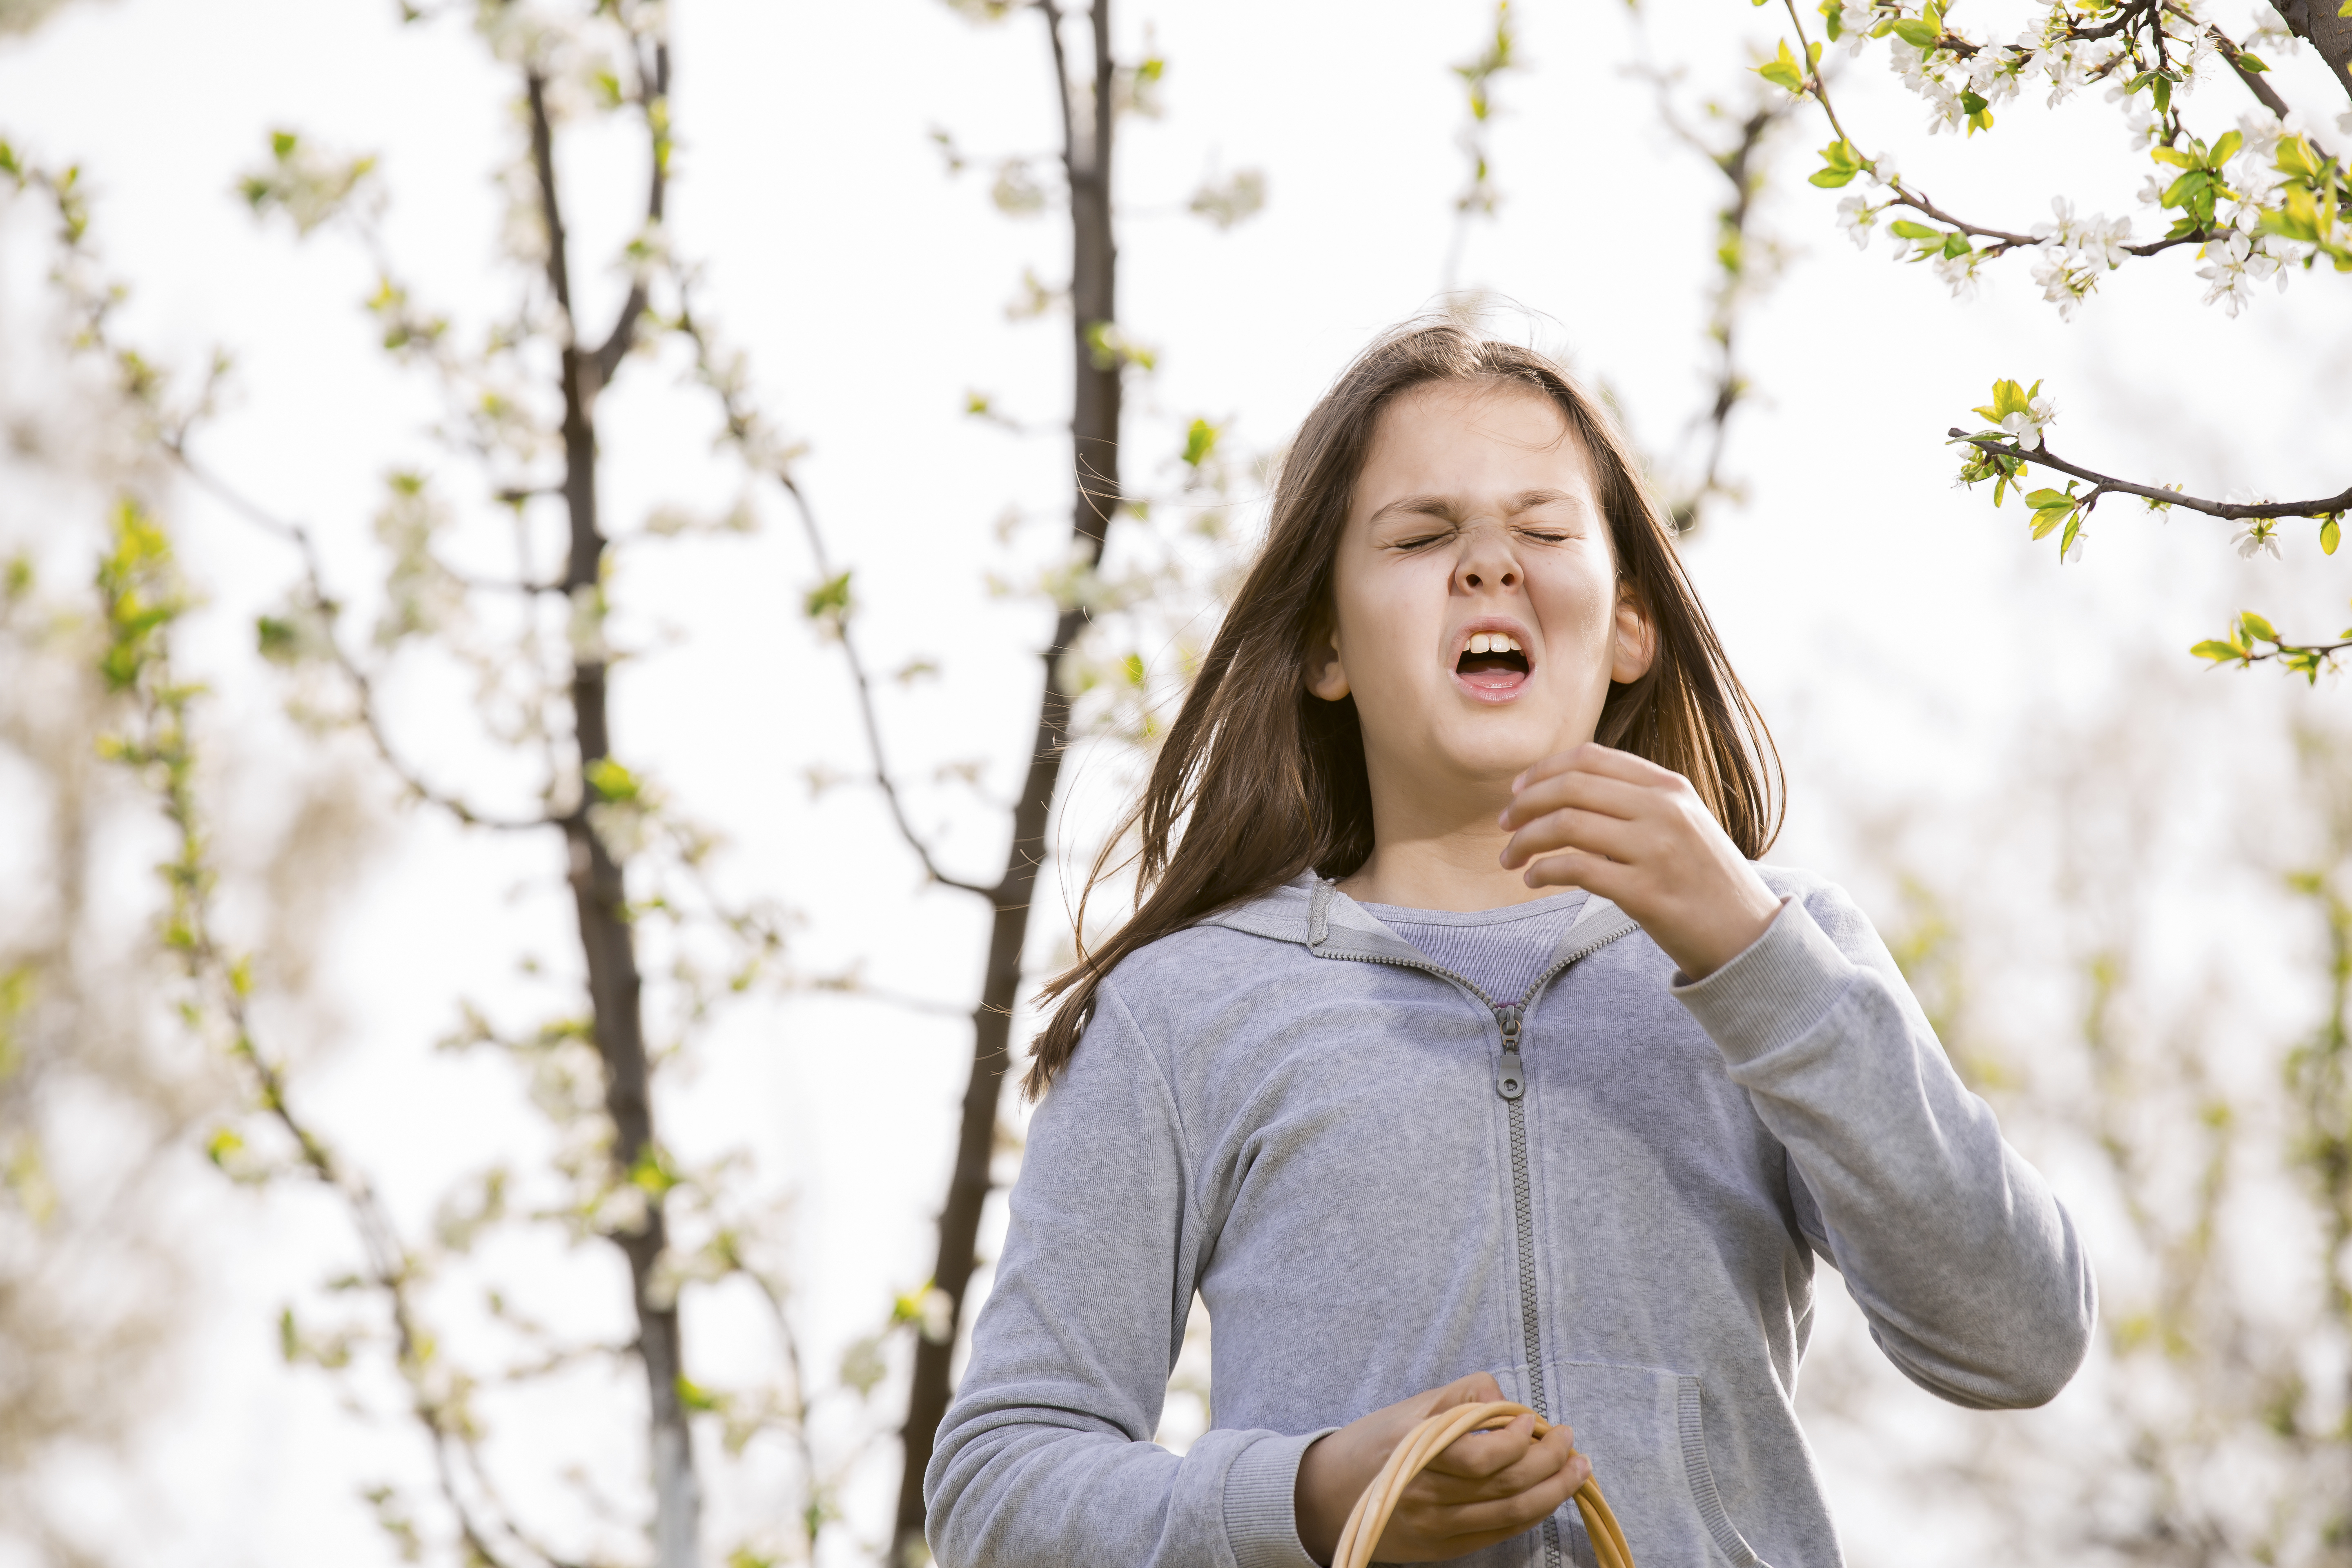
1967 1267
1046 1454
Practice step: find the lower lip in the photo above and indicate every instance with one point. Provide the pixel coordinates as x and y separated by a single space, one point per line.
1493 686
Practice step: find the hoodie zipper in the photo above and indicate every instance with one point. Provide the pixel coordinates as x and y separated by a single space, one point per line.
1511 1087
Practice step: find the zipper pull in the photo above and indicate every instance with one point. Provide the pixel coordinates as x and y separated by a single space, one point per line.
1510 1080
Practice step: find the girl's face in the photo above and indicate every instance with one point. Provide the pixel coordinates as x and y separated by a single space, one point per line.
1476 619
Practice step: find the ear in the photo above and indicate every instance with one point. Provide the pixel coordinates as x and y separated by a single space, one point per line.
1326 676
1636 645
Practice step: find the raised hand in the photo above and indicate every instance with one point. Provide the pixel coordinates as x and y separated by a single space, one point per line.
1639 836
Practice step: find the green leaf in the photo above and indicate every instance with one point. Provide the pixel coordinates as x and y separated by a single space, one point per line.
1198 442
2249 61
2218 651
2048 497
2008 398
1918 34
1782 70
2256 628
695 1398
830 597
2224 150
611 781
1905 227
1843 160
2329 535
2174 156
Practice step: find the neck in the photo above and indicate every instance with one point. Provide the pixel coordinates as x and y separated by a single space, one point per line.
1455 864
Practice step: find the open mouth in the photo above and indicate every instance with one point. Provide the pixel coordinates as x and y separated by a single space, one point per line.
1492 664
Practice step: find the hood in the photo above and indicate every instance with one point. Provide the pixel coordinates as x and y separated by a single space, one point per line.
1312 912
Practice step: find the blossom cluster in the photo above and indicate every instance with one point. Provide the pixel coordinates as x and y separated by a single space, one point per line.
2257 202
2074 252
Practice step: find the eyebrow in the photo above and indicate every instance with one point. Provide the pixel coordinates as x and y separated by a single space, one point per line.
1444 509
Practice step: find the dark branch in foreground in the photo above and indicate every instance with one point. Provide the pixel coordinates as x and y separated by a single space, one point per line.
2105 483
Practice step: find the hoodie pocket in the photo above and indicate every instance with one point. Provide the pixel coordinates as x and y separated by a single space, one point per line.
1646 1433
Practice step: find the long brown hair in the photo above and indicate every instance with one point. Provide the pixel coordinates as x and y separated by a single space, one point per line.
1259 779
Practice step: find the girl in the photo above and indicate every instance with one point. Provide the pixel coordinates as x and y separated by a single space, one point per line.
1418 1127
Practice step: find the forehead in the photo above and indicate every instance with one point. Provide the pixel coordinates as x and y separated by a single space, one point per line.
1456 436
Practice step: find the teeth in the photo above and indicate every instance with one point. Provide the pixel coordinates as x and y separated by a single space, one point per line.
1482 643
1507 644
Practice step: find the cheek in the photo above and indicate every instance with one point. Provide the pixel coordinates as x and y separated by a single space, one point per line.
1388 622
1578 607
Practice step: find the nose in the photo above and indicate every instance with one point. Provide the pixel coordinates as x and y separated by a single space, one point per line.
1487 561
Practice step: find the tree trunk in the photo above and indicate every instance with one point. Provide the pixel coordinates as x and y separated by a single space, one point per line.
1094 431
599 897
2317 23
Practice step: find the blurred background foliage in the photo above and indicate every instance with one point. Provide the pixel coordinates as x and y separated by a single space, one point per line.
401 1162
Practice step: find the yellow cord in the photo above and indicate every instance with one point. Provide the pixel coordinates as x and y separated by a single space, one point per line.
1424 1442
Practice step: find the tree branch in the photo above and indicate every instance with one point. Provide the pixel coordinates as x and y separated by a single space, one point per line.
653 93
2004 239
2228 511
2254 79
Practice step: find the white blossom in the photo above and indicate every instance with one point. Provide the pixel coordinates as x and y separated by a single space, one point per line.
1857 217
2271 31
2027 424
2073 555
2074 252
2255 535
1959 273
2232 266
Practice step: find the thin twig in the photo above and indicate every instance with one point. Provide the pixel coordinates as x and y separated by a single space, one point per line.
742 428
174 445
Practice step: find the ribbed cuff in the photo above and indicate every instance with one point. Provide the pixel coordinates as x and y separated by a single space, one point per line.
1775 990
1262 1503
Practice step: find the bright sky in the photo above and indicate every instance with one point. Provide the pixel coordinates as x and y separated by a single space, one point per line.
1891 627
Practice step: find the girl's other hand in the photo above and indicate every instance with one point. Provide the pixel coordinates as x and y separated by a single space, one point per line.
1485 1488
1639 836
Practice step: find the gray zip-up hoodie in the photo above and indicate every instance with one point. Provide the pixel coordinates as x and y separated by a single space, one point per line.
1379 1180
